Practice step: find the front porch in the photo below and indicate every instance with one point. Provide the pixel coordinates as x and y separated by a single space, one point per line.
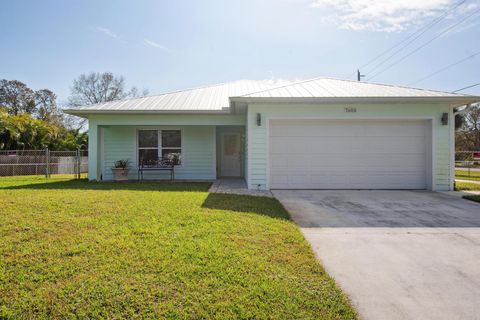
208 152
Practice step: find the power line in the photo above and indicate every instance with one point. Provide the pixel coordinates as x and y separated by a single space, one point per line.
415 38
467 87
424 44
420 32
444 68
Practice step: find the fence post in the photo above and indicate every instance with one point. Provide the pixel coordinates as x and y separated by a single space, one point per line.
77 163
47 163
15 166
470 164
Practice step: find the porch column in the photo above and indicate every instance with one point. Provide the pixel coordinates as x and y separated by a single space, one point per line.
93 154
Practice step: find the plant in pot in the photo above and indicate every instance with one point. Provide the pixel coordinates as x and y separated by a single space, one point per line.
174 158
120 170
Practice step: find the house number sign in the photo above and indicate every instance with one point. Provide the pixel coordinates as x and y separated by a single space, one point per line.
350 109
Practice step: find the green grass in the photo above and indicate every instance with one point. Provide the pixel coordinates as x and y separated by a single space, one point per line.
74 249
466 186
463 175
475 198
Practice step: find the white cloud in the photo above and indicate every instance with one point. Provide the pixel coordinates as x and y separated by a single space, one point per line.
381 15
108 32
153 44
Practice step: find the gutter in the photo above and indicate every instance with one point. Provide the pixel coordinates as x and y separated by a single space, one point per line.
454 101
86 112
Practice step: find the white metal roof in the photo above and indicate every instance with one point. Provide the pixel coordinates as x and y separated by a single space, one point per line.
335 88
216 98
207 98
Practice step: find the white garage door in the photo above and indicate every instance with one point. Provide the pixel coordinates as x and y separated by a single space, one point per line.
349 154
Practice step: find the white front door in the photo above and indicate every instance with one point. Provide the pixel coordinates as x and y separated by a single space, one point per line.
230 160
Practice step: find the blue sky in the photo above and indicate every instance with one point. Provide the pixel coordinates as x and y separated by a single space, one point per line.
168 45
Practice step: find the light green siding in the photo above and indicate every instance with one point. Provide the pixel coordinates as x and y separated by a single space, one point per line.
198 151
93 150
257 135
113 137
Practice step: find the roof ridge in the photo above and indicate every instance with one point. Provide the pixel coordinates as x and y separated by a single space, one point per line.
196 88
177 91
284 85
181 90
357 82
171 92
394 86
200 87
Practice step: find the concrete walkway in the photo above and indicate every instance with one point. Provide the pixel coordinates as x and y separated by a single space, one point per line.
236 186
396 254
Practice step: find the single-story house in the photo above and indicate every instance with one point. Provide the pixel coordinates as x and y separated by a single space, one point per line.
321 133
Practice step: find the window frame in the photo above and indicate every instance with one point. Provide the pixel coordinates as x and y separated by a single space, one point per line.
159 147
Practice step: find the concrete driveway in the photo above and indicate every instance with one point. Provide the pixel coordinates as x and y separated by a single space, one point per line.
397 254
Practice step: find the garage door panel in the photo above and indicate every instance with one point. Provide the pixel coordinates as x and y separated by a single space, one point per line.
284 128
340 172
348 154
316 162
308 181
310 145
391 181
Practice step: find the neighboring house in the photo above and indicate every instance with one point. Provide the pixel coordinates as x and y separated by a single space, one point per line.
315 134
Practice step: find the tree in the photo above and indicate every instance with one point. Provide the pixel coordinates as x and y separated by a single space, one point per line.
16 97
467 137
31 119
46 106
72 140
25 132
98 88
8 131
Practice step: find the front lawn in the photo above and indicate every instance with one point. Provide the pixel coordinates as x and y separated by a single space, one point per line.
465 175
466 186
475 198
150 250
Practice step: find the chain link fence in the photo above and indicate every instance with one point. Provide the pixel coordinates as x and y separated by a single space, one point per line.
467 164
44 162
467 159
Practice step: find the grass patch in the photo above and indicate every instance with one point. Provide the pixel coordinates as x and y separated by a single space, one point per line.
466 186
464 175
154 250
475 198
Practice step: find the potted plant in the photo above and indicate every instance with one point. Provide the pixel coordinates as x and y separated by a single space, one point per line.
174 158
120 170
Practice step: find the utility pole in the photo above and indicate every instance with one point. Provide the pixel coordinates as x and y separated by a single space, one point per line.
359 75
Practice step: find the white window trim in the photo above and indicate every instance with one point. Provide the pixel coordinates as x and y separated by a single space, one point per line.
159 142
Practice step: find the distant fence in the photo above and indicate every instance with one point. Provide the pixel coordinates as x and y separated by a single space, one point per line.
467 159
43 162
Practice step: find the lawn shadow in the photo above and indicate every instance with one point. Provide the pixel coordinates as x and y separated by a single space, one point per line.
265 206
83 184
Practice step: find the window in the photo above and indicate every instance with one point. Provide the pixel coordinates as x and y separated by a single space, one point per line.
156 144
